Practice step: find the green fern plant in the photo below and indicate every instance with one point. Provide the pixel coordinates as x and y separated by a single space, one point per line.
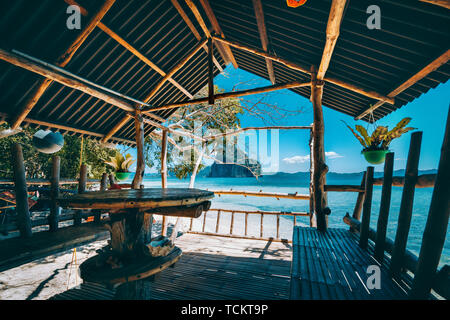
381 137
120 163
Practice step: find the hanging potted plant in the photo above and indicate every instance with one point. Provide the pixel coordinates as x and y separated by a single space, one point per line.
121 164
376 145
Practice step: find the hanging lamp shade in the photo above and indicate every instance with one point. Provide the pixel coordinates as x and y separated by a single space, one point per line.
46 141
295 3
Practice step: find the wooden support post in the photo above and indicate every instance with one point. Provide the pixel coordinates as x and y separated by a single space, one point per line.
210 72
20 184
406 205
53 218
320 168
385 204
433 239
140 163
164 174
367 207
81 189
360 200
312 222
164 159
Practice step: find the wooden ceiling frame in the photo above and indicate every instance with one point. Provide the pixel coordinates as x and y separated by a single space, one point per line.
433 66
259 13
62 61
194 31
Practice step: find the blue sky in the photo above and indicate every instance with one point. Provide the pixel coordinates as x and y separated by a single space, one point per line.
428 113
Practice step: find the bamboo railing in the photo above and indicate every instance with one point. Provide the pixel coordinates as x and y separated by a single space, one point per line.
246 213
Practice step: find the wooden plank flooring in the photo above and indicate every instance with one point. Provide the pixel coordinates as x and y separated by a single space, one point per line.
216 268
331 265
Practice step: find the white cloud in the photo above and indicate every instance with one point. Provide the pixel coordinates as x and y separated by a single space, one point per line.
333 155
303 159
296 159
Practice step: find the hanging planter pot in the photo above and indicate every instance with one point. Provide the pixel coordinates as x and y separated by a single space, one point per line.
122 175
376 145
375 156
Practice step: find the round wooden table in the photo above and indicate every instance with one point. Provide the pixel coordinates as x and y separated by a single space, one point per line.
127 262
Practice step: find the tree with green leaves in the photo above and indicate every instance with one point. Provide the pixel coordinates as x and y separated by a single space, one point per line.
38 165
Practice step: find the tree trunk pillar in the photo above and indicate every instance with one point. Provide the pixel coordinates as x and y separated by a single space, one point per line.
54 208
140 164
20 184
319 165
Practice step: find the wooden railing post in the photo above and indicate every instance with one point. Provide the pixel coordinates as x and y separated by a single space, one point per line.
406 205
435 232
278 226
20 184
232 223
367 207
383 216
54 187
103 187
262 225
81 189
218 221
359 201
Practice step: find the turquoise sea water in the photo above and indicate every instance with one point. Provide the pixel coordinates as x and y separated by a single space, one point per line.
339 202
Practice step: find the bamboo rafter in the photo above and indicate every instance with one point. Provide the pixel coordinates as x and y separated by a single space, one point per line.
63 60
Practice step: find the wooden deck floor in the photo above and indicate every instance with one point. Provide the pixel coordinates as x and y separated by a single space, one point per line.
215 268
332 266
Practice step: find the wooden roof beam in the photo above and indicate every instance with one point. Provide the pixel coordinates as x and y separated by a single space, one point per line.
141 57
233 94
68 128
191 26
441 3
66 78
215 24
62 61
131 49
259 13
224 52
303 69
174 70
333 26
434 65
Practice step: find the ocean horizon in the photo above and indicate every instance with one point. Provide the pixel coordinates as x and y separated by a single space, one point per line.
339 202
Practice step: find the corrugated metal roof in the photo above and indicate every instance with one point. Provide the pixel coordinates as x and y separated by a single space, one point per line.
412 35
